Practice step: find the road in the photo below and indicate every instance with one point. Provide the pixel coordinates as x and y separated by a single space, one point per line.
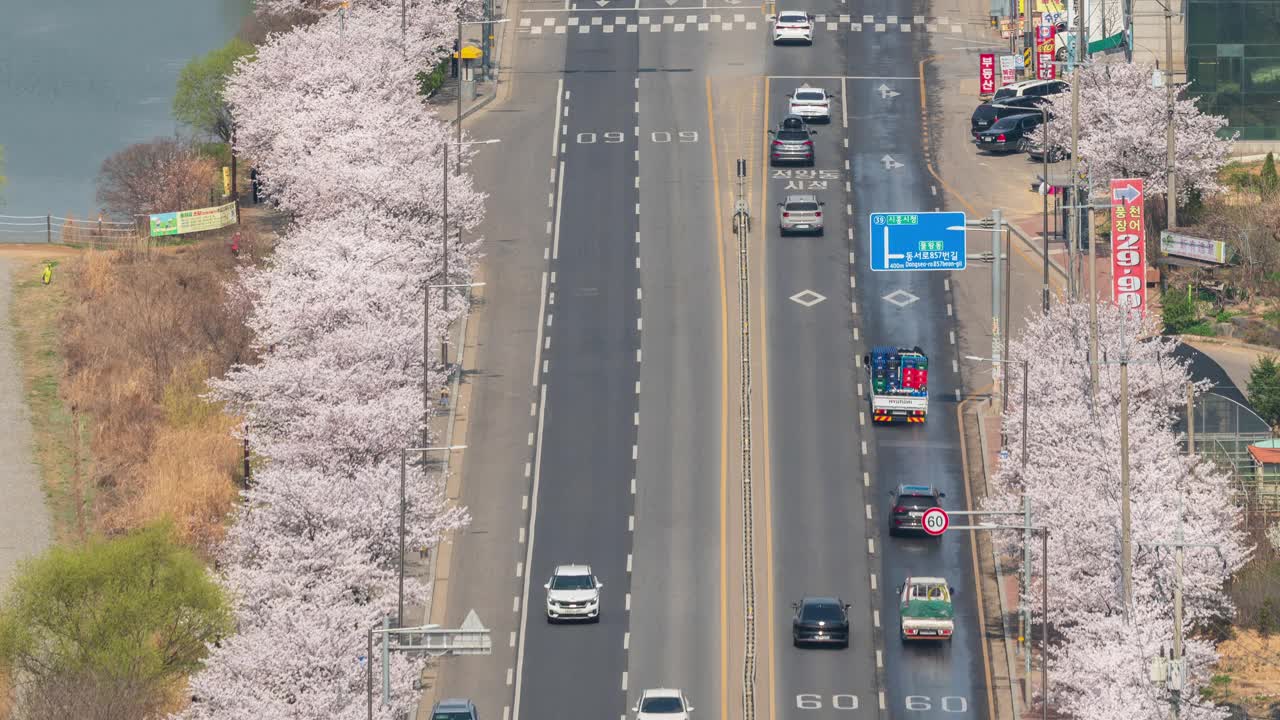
829 491
633 448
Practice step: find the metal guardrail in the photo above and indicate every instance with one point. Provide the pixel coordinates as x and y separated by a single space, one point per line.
51 229
742 226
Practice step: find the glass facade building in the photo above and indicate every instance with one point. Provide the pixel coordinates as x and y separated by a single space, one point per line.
1233 62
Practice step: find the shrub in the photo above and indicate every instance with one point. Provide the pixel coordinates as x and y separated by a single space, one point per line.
1179 311
1264 389
123 618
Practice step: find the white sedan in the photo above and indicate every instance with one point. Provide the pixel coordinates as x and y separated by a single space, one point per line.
811 103
793 26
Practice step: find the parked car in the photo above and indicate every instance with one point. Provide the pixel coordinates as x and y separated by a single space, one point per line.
1032 88
793 26
800 214
988 112
1007 134
792 142
811 103
1035 151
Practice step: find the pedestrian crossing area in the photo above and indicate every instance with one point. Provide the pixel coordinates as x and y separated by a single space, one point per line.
584 23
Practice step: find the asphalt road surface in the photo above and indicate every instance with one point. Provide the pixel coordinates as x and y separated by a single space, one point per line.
630 446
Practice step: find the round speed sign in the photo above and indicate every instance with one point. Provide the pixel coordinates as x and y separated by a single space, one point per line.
935 521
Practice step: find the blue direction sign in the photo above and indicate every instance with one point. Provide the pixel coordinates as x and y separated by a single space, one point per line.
917 241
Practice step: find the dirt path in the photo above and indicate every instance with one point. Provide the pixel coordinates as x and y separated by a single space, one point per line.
24 515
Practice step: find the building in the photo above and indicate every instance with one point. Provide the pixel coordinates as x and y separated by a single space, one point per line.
1233 64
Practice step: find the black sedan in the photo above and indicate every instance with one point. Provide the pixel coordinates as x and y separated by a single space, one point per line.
986 114
1007 134
820 621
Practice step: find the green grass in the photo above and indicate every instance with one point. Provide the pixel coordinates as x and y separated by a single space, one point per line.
1202 328
1272 316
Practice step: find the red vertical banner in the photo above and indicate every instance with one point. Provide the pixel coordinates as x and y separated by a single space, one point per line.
1128 245
1045 69
987 74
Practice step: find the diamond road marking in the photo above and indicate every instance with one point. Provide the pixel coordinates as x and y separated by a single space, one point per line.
808 298
901 298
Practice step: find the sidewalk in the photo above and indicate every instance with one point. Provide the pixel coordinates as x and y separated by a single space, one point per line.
445 100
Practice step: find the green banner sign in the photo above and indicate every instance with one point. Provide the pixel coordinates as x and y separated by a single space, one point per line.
187 221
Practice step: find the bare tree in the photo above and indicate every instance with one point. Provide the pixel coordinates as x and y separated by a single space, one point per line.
163 175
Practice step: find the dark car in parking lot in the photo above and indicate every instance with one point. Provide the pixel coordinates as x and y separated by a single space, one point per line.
909 505
986 114
1008 133
820 621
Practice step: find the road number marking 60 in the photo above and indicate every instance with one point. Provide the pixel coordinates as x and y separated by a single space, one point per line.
813 701
950 703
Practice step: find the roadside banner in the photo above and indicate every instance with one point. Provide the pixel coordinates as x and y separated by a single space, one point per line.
1045 43
226 181
186 221
1212 251
1128 245
987 74
1008 69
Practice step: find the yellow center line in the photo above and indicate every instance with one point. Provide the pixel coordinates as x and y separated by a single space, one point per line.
724 417
763 312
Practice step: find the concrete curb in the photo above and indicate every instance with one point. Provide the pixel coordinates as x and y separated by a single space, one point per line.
1228 342
1009 650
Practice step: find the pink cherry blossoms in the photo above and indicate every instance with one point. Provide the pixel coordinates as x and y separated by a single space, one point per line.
330 115
1122 130
1099 663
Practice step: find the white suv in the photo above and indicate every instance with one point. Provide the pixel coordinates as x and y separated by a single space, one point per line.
573 593
793 26
662 704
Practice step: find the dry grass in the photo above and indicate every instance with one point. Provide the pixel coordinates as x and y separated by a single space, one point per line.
141 335
1248 673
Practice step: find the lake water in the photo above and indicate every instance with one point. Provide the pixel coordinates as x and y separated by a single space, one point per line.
82 79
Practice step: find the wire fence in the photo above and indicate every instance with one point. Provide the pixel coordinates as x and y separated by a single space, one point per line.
55 229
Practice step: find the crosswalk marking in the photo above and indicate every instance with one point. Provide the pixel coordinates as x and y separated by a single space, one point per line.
586 23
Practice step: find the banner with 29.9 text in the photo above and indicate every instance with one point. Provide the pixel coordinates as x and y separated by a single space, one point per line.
1128 245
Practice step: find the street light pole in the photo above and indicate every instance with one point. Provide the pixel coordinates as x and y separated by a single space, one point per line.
997 226
1044 295
404 464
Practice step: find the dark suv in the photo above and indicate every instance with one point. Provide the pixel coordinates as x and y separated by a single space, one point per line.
985 115
909 504
820 621
791 142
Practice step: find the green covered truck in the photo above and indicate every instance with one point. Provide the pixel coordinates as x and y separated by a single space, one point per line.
926 610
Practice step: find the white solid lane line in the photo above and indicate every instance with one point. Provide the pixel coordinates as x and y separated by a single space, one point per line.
555 239
542 310
555 131
533 516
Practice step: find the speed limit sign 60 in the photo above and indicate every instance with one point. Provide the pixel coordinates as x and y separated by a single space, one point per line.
935 521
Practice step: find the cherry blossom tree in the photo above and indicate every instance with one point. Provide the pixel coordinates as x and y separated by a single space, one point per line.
1072 476
329 113
1123 122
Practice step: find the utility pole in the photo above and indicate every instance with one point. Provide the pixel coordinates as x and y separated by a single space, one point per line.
997 370
1191 420
444 219
1170 136
1093 316
1126 550
1077 210
1044 210
1026 535
458 120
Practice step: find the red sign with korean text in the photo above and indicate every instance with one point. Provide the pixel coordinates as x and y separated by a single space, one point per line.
987 74
1128 245
1045 69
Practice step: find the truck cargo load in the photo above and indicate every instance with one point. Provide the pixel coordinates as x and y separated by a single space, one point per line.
899 379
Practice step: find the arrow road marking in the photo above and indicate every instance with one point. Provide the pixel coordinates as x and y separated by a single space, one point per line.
886 92
890 163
